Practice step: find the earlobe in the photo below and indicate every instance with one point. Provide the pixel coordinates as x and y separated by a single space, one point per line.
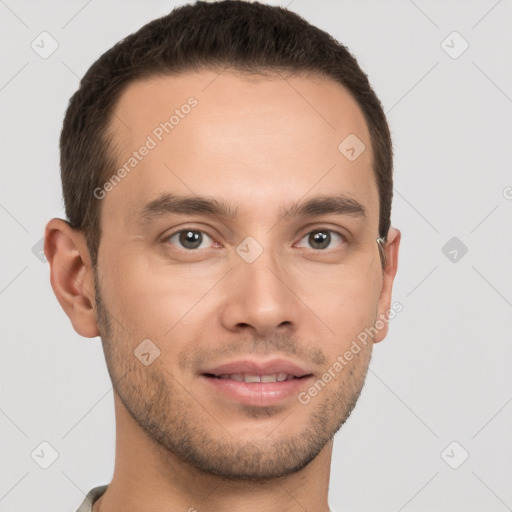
71 275
391 248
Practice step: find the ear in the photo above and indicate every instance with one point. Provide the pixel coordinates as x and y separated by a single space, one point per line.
71 275
390 249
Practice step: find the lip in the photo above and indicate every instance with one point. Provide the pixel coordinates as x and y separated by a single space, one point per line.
257 393
254 367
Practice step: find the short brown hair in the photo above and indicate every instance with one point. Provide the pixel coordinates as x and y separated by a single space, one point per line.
243 36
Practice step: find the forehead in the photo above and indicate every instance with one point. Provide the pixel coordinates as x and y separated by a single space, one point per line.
249 140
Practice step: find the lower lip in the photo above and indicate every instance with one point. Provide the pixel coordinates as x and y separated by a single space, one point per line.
258 393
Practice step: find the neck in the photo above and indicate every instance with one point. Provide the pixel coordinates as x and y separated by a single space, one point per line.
147 477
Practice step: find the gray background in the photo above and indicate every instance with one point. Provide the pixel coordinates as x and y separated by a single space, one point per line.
442 375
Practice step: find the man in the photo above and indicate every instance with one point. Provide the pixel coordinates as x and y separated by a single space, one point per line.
227 177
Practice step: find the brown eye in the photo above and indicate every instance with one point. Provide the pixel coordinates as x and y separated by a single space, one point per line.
321 239
189 239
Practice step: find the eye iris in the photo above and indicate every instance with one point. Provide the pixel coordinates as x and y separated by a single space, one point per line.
191 239
321 238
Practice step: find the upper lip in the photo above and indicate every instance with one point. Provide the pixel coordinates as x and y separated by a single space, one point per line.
254 367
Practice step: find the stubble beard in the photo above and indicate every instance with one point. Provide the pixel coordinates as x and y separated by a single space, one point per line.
176 420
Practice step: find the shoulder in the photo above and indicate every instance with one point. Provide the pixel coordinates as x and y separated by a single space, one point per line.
91 497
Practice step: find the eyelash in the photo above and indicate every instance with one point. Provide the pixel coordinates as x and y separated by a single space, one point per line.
317 230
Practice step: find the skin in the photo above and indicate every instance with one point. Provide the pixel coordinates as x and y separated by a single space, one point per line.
260 144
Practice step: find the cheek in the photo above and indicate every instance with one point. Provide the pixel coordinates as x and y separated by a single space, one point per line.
149 300
344 301
160 301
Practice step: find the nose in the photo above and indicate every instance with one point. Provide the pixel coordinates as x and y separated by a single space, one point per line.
261 297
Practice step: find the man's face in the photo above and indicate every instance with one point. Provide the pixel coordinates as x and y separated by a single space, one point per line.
219 306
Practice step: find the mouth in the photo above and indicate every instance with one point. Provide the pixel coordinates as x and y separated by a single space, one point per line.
257 383
246 377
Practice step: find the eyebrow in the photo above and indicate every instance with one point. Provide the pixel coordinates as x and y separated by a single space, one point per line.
168 204
325 205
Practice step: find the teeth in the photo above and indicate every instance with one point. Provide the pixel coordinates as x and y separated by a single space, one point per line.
252 378
274 377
